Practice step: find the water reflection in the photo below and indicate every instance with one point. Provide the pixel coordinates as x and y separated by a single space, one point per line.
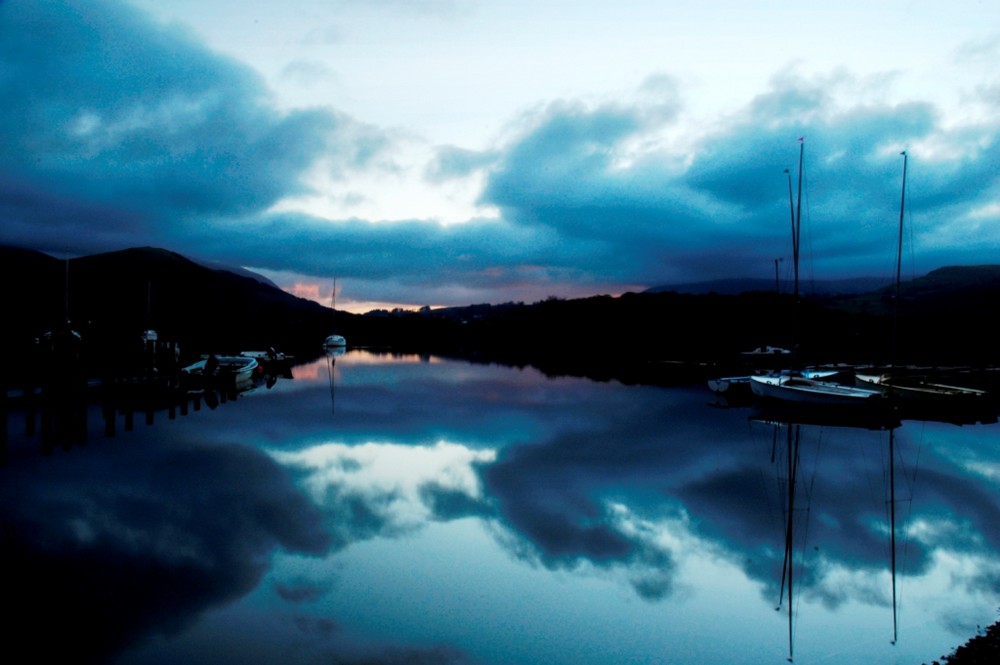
445 512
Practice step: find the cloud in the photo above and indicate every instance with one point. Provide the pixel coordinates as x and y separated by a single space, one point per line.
131 126
175 529
135 133
452 162
386 490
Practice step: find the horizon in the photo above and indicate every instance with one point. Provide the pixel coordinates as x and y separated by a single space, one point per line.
784 284
446 152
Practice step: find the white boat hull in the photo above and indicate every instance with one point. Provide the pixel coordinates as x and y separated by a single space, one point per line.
733 384
335 341
236 368
801 390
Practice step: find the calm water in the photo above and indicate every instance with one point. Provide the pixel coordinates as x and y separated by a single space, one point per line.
399 509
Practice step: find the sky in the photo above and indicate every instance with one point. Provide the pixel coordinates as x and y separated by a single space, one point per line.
451 152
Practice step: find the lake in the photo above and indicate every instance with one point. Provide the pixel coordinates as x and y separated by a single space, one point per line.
381 508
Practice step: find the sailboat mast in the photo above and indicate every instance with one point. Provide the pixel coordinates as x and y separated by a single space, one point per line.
902 206
899 261
791 212
797 226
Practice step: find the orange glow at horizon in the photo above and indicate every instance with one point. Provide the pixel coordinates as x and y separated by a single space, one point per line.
312 291
319 292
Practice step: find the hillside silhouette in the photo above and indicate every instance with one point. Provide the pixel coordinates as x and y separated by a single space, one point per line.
945 318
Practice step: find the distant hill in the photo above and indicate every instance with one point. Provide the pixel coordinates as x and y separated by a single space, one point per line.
116 295
950 280
734 287
946 316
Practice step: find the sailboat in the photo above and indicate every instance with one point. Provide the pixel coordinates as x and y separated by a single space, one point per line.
64 338
914 389
771 357
334 341
794 386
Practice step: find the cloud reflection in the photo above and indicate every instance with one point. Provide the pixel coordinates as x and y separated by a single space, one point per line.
379 489
465 488
113 548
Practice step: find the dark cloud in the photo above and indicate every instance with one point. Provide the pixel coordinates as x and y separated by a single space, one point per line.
441 655
128 127
446 503
132 133
302 591
555 494
732 199
119 548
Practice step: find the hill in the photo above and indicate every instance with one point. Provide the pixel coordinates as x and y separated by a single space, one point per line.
946 317
734 287
118 294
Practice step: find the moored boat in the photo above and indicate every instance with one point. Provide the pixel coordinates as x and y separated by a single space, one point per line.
334 341
740 385
223 369
769 352
802 390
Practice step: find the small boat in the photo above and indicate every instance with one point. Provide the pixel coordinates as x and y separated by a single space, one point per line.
767 352
794 387
226 369
802 390
334 341
740 385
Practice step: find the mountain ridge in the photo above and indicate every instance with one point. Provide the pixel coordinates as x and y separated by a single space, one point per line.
946 316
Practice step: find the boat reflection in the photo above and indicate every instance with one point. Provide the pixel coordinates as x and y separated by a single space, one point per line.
332 353
800 561
499 515
61 414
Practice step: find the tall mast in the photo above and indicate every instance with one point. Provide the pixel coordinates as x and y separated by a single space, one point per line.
791 212
797 230
899 262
